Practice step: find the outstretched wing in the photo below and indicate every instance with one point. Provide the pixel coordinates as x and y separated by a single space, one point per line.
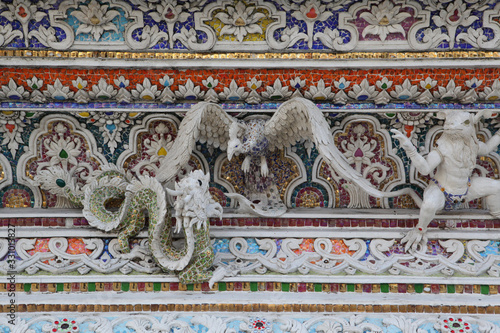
205 122
300 118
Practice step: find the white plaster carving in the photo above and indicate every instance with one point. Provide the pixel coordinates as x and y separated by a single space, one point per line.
454 160
61 138
324 258
359 151
95 19
384 19
262 322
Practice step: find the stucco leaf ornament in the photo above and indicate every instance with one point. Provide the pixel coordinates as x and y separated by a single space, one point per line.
384 19
12 125
64 150
360 150
456 14
23 11
240 21
311 12
95 19
170 12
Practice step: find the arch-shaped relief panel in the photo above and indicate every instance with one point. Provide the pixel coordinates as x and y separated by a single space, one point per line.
5 172
59 141
285 165
368 148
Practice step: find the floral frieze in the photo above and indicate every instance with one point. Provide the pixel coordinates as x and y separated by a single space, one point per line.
243 257
415 88
261 25
263 322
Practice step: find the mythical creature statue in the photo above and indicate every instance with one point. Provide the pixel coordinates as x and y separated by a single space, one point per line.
454 159
141 196
294 120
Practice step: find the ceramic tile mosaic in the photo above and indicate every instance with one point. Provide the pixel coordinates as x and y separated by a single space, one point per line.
264 26
53 88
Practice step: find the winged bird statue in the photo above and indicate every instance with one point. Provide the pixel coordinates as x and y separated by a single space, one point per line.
294 120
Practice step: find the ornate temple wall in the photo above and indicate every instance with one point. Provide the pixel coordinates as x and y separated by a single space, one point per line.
290 110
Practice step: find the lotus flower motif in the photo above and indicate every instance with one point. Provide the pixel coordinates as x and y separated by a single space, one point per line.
240 21
359 151
491 93
160 144
58 91
363 91
168 12
234 93
12 91
254 84
102 90
451 92
320 92
313 11
63 151
277 91
23 11
146 91
384 19
95 19
189 91
35 83
406 91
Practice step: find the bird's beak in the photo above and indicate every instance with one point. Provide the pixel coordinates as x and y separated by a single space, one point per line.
230 153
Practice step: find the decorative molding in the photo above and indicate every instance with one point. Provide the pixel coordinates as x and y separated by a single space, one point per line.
263 322
306 25
163 88
314 256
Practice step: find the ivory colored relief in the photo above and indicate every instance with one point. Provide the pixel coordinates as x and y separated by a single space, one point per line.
249 166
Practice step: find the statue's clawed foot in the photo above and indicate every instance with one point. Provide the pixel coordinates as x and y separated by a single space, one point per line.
245 166
415 238
264 170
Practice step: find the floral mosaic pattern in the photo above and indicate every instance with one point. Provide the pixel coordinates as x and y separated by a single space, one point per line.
79 144
262 25
416 88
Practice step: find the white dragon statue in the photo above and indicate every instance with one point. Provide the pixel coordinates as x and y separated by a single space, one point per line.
144 197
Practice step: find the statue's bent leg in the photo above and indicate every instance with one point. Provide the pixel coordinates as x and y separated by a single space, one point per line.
489 189
433 201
